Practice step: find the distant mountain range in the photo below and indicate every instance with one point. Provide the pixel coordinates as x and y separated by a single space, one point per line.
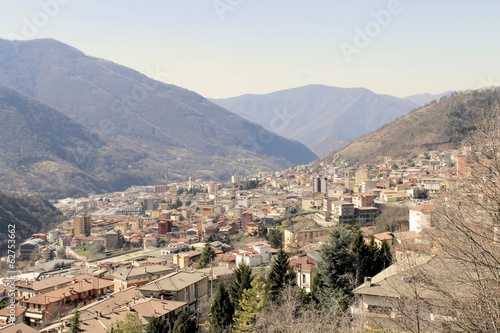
133 129
323 118
439 126
422 99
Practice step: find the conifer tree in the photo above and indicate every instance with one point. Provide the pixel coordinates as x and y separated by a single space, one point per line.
184 324
75 323
336 269
280 276
253 301
242 278
384 256
222 311
207 255
370 259
360 250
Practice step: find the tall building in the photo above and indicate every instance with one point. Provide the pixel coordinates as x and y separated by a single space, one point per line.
361 176
236 179
320 184
82 225
148 204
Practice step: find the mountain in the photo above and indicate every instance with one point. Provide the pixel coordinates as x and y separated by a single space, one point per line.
439 126
176 132
321 117
30 213
422 99
44 150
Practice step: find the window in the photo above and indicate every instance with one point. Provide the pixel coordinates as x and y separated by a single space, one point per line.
304 278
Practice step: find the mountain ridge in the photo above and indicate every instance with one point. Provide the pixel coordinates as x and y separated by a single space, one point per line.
322 117
425 98
179 131
438 126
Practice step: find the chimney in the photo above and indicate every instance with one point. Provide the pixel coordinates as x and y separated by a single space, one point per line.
368 281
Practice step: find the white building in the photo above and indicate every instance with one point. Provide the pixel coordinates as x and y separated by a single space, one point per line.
257 254
420 217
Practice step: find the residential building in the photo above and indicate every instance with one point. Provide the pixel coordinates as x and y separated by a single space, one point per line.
28 248
18 328
82 225
297 237
432 184
113 240
320 184
185 286
306 268
11 315
254 255
342 212
312 201
380 296
246 217
368 185
185 259
361 176
44 308
138 276
30 288
366 215
363 200
392 196
100 317
384 237
420 217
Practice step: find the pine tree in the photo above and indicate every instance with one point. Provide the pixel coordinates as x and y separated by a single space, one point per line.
184 324
242 278
370 258
75 323
373 266
384 256
156 326
222 310
280 276
253 301
360 250
337 269
207 255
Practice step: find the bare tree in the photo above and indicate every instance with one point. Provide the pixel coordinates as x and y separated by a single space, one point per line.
466 231
455 287
290 315
460 288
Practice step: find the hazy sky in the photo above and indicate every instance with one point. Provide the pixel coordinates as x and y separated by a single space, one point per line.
223 48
